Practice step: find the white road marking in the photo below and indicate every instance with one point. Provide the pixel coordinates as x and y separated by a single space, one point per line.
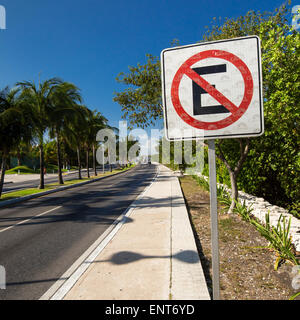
24 221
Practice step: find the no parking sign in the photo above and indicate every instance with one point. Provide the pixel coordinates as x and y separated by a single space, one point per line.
213 90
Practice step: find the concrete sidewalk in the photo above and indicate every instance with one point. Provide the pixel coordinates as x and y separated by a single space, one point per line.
152 256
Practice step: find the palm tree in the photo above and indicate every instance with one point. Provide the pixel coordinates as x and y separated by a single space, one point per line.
75 131
96 122
99 122
15 125
39 100
20 151
62 113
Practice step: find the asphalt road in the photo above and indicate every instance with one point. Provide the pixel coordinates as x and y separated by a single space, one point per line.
17 186
41 238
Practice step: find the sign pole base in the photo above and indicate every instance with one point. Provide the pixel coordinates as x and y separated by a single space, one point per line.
214 219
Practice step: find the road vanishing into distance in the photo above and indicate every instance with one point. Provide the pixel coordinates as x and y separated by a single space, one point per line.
41 238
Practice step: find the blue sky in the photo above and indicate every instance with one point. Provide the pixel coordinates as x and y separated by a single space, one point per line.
89 42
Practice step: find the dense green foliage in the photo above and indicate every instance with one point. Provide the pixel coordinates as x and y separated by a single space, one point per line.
141 100
272 166
21 170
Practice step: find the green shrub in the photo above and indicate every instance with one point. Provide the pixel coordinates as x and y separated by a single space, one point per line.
243 211
21 170
279 239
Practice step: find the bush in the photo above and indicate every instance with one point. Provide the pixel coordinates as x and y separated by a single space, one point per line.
21 170
279 239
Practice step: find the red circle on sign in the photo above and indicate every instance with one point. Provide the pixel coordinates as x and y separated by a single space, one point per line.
236 112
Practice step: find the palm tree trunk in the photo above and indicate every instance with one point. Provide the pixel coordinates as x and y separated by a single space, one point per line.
42 165
87 163
94 160
19 157
3 167
79 163
60 178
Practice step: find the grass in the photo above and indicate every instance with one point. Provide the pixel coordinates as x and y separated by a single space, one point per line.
51 168
21 169
23 193
30 191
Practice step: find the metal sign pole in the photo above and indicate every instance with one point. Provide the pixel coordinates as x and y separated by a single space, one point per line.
214 219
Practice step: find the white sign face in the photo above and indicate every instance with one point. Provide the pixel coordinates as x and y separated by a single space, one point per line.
213 90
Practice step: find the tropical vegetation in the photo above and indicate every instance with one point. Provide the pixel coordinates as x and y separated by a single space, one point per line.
267 166
46 122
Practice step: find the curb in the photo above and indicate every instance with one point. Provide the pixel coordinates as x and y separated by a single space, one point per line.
188 280
40 194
